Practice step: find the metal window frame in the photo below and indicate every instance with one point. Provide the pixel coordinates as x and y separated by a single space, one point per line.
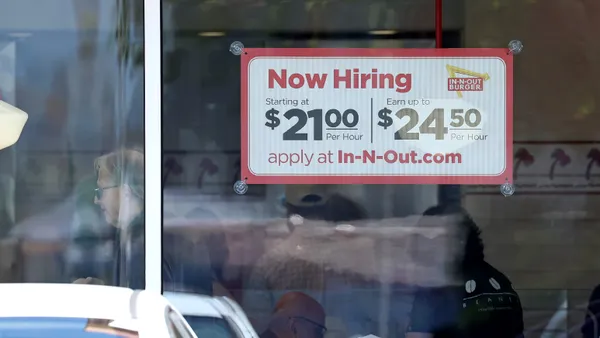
153 144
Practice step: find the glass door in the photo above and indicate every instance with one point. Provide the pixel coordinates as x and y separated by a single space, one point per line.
75 187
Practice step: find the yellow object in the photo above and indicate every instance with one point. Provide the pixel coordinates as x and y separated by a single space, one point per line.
12 121
452 71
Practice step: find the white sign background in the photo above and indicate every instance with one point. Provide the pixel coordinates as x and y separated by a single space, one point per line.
429 81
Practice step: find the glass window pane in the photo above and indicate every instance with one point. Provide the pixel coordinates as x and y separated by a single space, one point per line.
72 186
537 246
222 244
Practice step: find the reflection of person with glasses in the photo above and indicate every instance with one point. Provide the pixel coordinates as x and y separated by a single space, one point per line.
296 315
120 195
120 191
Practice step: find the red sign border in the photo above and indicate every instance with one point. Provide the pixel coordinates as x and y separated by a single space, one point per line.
251 53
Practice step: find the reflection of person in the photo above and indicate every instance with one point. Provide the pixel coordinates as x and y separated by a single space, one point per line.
90 237
319 202
590 329
199 260
280 269
485 306
296 315
120 191
120 195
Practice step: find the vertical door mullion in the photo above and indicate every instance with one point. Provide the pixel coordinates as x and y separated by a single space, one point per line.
153 144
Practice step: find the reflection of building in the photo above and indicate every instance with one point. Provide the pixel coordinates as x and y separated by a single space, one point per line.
317 16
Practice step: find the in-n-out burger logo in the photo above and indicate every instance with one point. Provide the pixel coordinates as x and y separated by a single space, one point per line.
345 79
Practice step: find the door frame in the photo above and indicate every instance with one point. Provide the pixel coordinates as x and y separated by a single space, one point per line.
153 144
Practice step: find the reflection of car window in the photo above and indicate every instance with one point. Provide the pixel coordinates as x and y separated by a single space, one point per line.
173 332
210 327
36 327
179 324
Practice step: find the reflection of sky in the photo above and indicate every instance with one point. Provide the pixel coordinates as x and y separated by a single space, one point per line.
25 15
46 327
50 65
53 15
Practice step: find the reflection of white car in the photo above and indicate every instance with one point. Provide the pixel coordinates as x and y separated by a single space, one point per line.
87 311
215 317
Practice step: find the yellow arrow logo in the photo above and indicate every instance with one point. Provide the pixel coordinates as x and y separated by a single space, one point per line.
453 71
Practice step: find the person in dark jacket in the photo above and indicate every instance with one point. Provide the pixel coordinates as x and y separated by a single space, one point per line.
590 328
120 195
485 306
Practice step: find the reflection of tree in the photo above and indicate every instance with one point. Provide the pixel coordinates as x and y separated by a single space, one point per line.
207 166
594 158
560 157
522 156
173 167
